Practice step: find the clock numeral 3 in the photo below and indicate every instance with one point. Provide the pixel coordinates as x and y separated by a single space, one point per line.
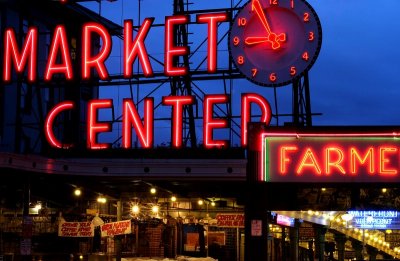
236 41
242 21
305 56
293 71
254 72
272 77
240 60
311 36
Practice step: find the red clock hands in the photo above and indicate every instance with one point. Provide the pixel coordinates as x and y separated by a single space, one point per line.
271 37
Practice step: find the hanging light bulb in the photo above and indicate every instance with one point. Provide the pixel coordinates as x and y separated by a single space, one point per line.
77 192
135 209
200 202
155 209
173 199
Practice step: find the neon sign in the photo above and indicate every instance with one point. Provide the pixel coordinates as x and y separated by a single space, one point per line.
375 219
21 58
330 157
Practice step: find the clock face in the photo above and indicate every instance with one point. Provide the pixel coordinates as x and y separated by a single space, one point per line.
273 42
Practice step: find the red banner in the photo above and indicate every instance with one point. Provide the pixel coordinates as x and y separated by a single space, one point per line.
230 220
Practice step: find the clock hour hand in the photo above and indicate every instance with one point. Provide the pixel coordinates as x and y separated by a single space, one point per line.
271 36
251 40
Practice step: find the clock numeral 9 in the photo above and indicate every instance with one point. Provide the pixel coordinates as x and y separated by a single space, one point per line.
240 60
305 56
236 41
272 77
306 17
311 36
254 72
293 71
273 2
242 21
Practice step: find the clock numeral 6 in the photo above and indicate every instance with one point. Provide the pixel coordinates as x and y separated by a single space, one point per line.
236 41
240 60
272 77
293 70
273 2
305 56
242 21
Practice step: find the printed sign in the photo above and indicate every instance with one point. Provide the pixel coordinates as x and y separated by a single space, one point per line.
230 220
76 229
116 228
256 228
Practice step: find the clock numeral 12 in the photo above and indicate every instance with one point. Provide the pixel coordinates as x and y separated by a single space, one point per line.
272 77
273 2
292 4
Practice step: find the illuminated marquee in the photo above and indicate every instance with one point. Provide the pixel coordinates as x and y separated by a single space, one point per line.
375 219
330 157
22 58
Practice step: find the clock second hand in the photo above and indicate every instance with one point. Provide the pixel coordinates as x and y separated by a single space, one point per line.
271 36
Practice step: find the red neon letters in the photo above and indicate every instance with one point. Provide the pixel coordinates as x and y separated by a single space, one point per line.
98 60
337 160
11 52
263 104
177 103
172 51
131 117
59 44
212 20
136 48
143 126
94 60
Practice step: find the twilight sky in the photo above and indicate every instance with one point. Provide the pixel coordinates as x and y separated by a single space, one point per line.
356 79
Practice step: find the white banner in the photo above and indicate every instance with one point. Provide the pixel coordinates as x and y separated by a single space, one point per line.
75 229
116 228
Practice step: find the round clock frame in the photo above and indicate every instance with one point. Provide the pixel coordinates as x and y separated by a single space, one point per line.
274 42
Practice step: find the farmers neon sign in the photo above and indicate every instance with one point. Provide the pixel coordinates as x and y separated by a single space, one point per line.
330 157
23 60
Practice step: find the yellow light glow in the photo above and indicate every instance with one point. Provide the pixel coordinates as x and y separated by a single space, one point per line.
212 203
384 190
155 209
200 202
323 189
135 209
77 192
173 198
153 191
101 199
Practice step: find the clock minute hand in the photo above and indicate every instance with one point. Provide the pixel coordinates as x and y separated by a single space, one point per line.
271 37
256 6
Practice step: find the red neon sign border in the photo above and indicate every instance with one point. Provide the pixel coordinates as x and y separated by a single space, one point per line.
264 135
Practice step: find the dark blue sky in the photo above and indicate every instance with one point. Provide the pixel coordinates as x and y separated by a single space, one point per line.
356 79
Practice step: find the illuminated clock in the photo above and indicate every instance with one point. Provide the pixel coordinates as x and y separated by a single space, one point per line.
273 42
